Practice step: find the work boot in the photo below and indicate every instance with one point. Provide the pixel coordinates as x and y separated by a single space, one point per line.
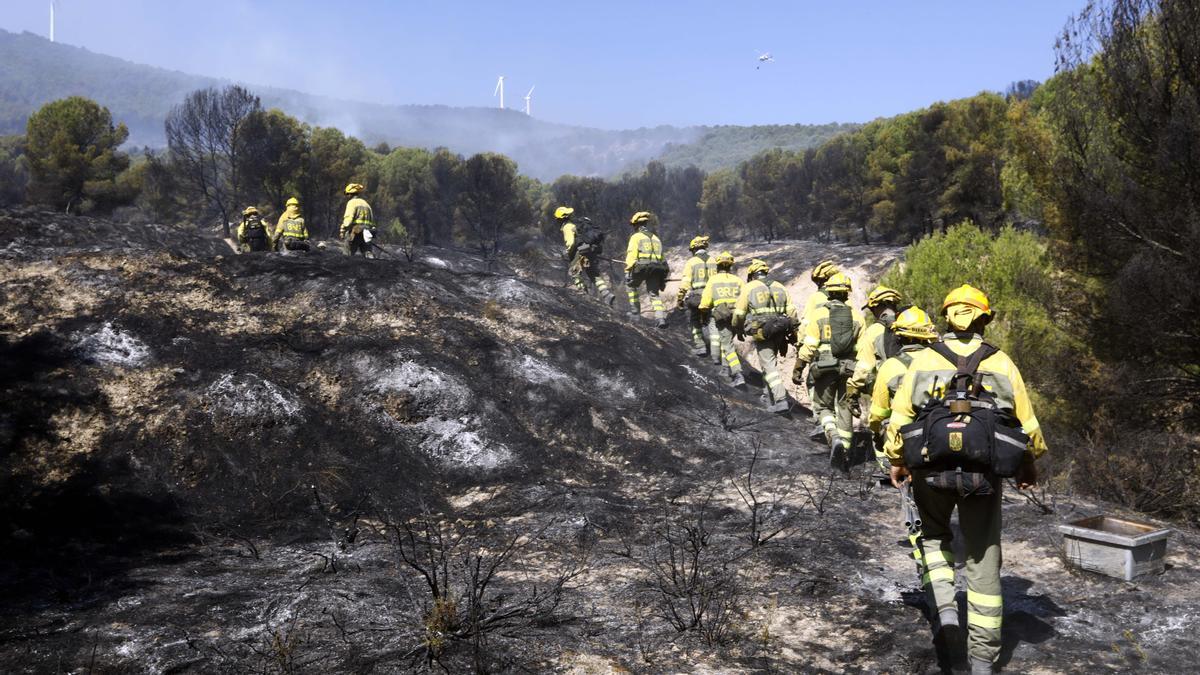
951 643
661 318
779 407
610 299
738 380
817 433
838 458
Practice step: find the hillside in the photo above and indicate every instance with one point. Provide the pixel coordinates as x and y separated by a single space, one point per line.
724 147
209 460
37 71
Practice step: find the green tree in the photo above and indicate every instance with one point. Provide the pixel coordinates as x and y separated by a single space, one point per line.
273 147
1015 270
492 200
71 146
720 203
333 161
14 171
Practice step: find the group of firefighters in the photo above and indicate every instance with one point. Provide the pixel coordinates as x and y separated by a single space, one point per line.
290 234
935 398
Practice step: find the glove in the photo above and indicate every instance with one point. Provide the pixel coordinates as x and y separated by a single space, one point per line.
798 372
739 335
855 404
628 278
1027 475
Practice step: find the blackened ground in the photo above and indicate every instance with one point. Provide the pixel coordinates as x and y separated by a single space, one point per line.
205 456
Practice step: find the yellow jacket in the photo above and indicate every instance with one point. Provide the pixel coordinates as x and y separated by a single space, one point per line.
568 232
696 272
870 350
358 216
760 298
817 334
887 380
814 301
722 288
644 246
289 213
927 378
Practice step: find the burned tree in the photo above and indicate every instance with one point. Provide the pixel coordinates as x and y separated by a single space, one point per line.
205 147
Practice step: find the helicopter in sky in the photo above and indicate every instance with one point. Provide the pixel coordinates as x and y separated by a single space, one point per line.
764 57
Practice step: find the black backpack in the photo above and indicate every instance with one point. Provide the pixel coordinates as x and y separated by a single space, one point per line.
964 430
255 229
589 237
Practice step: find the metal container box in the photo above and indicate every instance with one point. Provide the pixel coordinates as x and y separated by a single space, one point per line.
1116 547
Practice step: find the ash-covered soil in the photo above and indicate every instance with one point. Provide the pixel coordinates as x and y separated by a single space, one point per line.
209 461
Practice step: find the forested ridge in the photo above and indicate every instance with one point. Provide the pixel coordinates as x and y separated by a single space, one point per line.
37 72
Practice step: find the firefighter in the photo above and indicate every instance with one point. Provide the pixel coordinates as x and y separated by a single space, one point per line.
819 275
879 345
358 223
767 315
252 232
583 248
831 344
291 234
717 304
696 273
645 266
914 331
977 496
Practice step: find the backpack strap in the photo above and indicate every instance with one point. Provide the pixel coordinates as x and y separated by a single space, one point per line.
966 366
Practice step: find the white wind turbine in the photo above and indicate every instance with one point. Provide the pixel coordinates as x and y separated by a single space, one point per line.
52 3
527 97
500 90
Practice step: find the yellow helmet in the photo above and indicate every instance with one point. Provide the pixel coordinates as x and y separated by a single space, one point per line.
698 242
724 260
823 270
964 306
354 188
293 202
838 283
640 217
967 295
562 212
915 323
250 211
757 267
882 295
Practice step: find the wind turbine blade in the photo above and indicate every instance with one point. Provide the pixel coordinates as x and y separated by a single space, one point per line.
497 89
530 92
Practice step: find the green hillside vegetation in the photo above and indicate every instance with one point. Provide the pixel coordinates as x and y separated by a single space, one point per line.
723 147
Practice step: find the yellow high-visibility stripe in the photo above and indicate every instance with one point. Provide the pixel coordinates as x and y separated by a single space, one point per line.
938 554
881 412
984 599
938 574
984 621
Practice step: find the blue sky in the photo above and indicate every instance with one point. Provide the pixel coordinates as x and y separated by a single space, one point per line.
612 64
